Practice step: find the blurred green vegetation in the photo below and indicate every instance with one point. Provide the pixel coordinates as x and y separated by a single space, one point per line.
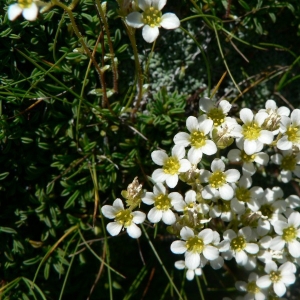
65 149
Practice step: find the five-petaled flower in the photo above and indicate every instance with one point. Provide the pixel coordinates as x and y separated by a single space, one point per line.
152 18
171 166
123 218
27 7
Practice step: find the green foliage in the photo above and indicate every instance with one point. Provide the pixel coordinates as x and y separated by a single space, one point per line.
69 141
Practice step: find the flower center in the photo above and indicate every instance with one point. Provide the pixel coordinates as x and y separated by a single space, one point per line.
247 158
267 210
217 116
242 194
289 234
275 276
224 206
251 131
124 217
252 287
171 166
238 244
289 162
195 244
197 139
162 202
217 179
293 134
152 17
24 3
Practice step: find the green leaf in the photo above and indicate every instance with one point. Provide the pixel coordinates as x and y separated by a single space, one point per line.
7 230
71 200
4 175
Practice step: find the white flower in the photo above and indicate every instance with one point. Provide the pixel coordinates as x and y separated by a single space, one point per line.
239 245
239 155
279 277
253 291
291 129
123 218
28 8
252 134
171 166
198 139
190 273
272 205
288 233
216 113
152 18
195 246
218 180
275 115
288 162
163 202
245 197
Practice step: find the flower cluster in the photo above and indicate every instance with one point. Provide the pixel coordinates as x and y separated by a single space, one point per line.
264 226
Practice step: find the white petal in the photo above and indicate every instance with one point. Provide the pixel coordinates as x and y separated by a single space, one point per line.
180 265
210 252
277 243
168 217
192 124
266 137
263 282
279 288
192 260
234 155
288 278
217 165
295 117
159 157
284 143
262 158
31 12
114 228
185 165
138 217
206 125
148 199
159 175
294 219
154 215
150 34
134 231
232 175
190 274
252 248
186 233
206 235
178 151
178 247
159 3
209 148
250 146
241 258
194 155
172 180
169 21
226 192
225 106
182 138
109 211
246 115
294 248
14 10
144 4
